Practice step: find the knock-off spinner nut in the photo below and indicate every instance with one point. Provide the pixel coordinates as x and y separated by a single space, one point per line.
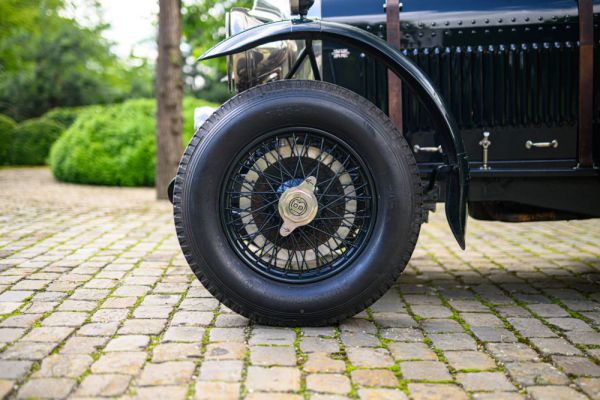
298 206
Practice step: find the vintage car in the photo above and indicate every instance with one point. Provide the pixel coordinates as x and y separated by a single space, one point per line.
300 200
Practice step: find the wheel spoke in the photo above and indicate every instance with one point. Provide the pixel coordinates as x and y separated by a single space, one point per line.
322 245
337 175
247 209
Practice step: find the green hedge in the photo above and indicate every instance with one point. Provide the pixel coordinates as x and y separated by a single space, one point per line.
64 115
32 140
114 145
7 131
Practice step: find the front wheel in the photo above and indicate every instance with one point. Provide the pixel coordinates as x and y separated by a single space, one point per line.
297 203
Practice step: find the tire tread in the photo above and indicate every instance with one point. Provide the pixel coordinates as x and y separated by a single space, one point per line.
196 143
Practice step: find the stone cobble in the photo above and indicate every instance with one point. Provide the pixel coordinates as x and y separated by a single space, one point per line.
96 300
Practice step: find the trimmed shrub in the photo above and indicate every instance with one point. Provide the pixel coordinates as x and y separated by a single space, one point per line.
114 145
32 141
63 115
7 131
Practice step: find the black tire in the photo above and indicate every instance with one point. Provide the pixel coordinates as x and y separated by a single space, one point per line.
199 187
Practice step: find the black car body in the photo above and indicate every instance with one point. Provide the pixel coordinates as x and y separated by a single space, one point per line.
509 68
492 107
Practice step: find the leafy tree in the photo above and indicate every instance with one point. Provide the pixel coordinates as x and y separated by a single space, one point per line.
48 60
20 18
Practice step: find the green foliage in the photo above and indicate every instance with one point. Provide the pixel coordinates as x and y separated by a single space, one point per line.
7 129
114 145
107 145
49 61
19 17
63 115
217 92
32 140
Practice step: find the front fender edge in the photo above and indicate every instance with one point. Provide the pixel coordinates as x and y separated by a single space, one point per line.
447 132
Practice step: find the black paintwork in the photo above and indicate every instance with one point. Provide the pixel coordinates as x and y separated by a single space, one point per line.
446 131
507 67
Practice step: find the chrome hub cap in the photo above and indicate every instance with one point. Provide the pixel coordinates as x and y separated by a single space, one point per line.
298 206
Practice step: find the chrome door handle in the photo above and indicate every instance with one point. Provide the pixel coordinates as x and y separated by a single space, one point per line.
529 144
418 149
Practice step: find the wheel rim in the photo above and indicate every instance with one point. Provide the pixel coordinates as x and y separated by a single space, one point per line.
277 163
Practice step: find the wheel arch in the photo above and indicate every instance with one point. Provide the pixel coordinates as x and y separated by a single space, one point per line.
447 132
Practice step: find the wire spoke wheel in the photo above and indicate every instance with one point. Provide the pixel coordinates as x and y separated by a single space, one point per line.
297 203
342 210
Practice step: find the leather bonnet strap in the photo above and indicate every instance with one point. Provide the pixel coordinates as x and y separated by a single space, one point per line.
392 9
586 82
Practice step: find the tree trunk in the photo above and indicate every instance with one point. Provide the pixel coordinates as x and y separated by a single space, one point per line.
169 95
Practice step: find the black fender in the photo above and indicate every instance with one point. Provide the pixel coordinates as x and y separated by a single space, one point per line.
447 133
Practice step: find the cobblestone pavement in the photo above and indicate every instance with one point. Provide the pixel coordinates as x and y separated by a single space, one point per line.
98 301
